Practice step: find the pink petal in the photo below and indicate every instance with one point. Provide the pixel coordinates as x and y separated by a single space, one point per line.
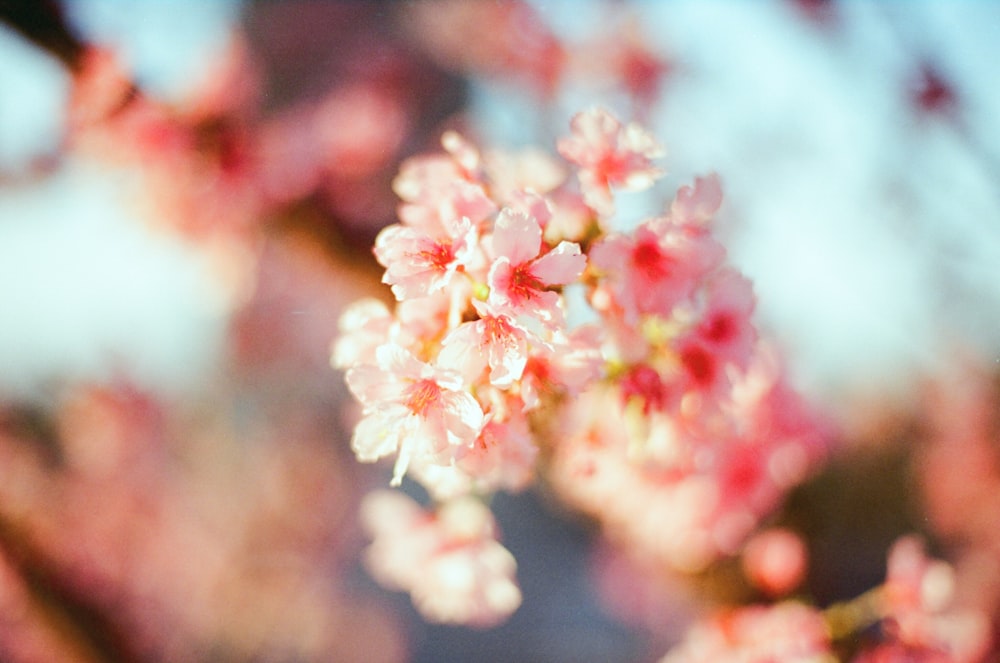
460 351
610 253
731 291
516 236
370 385
507 363
468 200
377 435
697 204
499 278
463 417
561 265
399 362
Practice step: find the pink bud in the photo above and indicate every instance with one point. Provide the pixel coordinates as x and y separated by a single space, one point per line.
775 561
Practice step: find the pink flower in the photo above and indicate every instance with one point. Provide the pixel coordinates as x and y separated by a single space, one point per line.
504 452
531 204
723 336
696 205
920 619
725 323
496 340
530 169
659 266
502 457
684 486
418 264
423 179
571 218
412 408
441 187
455 200
787 632
520 278
449 561
364 325
609 155
913 580
427 317
775 561
573 364
643 384
465 154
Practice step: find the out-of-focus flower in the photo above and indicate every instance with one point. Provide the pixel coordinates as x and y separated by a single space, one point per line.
518 46
775 561
723 336
147 531
681 494
449 561
654 268
918 615
787 632
609 156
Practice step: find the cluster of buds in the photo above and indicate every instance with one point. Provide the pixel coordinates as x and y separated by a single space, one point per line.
533 336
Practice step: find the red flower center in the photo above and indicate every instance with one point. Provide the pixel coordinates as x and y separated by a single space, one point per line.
651 261
524 284
719 328
699 364
438 256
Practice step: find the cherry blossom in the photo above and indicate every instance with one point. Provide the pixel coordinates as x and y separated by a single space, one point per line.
520 277
519 44
364 325
418 264
456 200
502 458
504 454
530 169
655 268
723 334
609 156
688 486
775 561
788 632
497 340
666 421
695 205
537 338
450 561
573 364
412 408
919 618
422 179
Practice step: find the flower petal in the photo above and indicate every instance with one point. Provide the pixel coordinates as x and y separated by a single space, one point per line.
516 236
561 265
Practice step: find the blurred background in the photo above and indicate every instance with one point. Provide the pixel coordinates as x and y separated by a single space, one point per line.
188 194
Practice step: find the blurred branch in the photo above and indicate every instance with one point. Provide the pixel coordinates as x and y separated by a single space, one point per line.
79 630
50 608
42 22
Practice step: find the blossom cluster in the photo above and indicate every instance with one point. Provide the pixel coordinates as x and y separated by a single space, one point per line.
532 335
913 610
